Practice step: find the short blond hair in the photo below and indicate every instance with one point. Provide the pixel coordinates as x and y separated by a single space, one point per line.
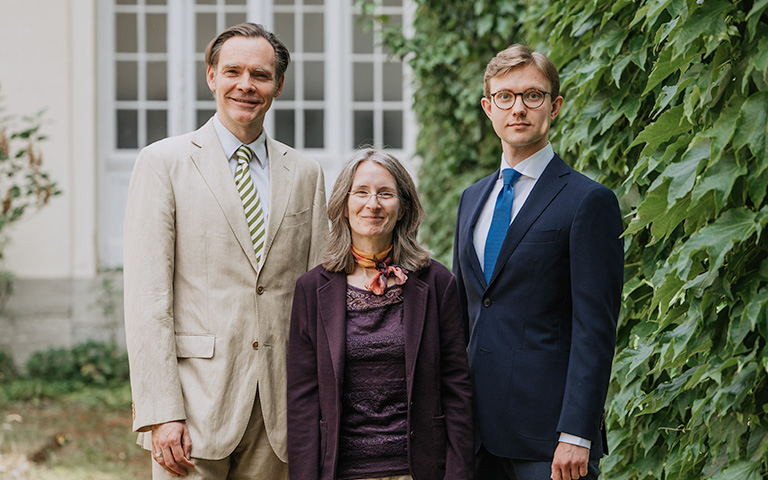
519 55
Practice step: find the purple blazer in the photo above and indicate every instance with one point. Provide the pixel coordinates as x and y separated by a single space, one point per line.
440 423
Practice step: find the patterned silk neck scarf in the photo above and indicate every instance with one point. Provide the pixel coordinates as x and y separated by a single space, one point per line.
382 262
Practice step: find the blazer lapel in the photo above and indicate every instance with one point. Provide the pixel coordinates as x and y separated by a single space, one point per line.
281 176
332 305
485 186
415 293
214 168
548 186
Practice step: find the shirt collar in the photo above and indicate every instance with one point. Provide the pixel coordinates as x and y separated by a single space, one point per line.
534 165
230 143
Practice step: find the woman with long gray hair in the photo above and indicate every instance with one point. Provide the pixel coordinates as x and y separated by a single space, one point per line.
378 383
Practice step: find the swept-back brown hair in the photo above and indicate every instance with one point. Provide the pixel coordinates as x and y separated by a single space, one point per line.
406 251
250 30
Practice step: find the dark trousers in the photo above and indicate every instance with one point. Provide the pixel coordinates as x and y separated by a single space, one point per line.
490 467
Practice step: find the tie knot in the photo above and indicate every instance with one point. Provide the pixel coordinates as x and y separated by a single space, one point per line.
510 176
244 154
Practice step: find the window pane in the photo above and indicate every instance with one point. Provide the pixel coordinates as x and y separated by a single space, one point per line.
314 2
126 2
203 92
284 29
314 81
363 80
284 2
393 82
314 30
363 129
363 37
236 2
157 29
313 129
203 116
125 33
157 81
395 20
157 125
289 86
392 3
127 86
393 129
234 19
156 2
206 30
285 126
127 129
206 2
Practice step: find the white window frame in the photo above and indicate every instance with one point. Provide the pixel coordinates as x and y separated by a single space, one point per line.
115 165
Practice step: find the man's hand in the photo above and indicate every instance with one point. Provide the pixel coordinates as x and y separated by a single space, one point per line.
173 442
570 462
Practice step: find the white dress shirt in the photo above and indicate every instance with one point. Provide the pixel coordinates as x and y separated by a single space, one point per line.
530 169
259 164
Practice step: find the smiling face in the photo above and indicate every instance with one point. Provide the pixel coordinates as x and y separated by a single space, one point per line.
244 83
371 220
523 131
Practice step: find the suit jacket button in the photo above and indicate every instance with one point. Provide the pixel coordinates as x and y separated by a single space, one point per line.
487 302
412 435
260 289
255 345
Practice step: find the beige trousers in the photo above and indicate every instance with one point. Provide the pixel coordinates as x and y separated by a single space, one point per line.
252 459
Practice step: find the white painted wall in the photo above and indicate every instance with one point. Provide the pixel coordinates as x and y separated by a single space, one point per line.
47 61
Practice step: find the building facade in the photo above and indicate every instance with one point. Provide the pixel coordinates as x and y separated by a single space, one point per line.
116 75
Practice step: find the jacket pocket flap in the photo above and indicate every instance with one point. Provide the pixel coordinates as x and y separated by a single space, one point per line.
195 346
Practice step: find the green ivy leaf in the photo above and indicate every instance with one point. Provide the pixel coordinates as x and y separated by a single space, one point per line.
752 125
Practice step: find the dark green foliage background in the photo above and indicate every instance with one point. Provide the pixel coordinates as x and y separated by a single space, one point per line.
666 102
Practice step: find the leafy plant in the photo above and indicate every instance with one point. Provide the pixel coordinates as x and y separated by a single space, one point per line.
666 101
8 371
24 183
89 363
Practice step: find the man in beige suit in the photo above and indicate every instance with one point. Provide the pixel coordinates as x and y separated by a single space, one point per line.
209 286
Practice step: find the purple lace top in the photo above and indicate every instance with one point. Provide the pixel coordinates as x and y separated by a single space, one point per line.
372 439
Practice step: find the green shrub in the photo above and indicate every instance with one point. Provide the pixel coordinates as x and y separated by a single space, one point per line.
8 369
91 363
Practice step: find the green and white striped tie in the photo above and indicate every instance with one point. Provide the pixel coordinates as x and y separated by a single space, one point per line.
254 215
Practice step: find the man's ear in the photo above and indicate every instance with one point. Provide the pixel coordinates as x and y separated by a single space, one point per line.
279 86
557 105
486 104
210 74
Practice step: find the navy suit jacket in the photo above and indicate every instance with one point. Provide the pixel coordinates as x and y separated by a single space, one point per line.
542 332
440 439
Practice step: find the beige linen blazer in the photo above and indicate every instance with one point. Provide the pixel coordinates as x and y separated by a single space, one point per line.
205 325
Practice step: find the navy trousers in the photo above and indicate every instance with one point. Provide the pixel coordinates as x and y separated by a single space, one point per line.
491 467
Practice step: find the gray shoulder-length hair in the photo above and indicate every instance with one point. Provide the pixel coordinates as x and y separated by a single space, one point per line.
406 251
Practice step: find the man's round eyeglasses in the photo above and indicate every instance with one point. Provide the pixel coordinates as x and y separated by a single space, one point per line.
532 98
365 195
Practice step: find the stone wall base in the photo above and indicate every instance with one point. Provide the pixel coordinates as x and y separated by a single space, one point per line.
61 313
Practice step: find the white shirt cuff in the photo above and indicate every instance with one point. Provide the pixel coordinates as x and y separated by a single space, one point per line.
574 440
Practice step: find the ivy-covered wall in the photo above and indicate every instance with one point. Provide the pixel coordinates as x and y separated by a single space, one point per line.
666 102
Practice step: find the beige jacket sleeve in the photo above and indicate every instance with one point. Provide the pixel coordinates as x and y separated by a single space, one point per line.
148 273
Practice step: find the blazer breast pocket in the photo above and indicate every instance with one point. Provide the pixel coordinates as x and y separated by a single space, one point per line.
541 236
195 346
297 218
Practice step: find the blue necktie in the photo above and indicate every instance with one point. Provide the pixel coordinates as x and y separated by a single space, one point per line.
502 213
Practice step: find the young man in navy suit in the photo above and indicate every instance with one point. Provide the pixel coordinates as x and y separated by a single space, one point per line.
539 265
